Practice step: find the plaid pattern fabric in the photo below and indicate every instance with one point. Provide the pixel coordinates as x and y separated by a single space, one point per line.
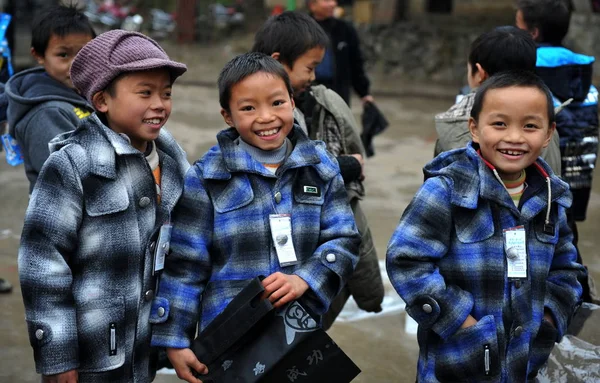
84 262
446 259
221 235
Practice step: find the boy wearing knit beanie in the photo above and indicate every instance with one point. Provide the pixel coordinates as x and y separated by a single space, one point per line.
97 227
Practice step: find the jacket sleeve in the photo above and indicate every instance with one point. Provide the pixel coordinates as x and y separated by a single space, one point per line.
421 239
563 291
360 82
336 256
46 124
187 267
49 237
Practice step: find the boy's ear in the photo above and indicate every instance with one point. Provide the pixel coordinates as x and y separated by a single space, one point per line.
473 129
36 56
99 102
481 74
535 33
293 102
550 134
276 55
227 118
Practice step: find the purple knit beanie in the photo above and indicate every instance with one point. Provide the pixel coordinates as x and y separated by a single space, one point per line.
115 52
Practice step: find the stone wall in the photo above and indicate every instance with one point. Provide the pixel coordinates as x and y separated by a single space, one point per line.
435 47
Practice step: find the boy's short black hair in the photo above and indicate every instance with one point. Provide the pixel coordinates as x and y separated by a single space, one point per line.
291 34
246 65
550 17
58 20
509 79
503 48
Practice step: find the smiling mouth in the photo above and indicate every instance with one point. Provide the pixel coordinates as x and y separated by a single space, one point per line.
153 121
266 133
514 153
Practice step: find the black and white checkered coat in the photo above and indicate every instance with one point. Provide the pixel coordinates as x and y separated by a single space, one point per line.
85 262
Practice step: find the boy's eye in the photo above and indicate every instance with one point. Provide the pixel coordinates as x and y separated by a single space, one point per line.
144 93
531 126
246 108
278 102
498 123
63 55
168 94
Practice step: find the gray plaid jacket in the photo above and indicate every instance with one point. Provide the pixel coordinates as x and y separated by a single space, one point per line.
85 262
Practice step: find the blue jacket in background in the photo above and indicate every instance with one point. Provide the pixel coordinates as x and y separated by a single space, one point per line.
221 234
569 75
39 109
447 260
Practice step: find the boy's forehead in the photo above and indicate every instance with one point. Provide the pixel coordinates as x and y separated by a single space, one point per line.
260 84
70 38
504 100
157 75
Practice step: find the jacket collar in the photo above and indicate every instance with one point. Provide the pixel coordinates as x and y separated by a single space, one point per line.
227 158
472 179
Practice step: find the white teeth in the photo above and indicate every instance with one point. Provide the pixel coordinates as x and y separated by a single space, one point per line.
268 132
512 152
153 121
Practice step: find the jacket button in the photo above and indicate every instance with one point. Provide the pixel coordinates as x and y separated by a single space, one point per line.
152 246
518 331
427 308
330 257
144 201
148 295
161 312
277 197
39 334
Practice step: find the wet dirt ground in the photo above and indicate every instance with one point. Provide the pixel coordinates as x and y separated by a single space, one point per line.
377 343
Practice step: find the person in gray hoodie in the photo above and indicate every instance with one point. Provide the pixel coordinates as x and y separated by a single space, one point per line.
42 102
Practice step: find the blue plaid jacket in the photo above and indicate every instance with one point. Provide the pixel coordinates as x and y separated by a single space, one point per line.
221 234
446 259
85 263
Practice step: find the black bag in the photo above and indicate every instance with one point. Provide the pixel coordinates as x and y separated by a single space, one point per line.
373 122
250 341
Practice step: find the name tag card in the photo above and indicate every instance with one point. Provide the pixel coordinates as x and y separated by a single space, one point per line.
162 247
515 245
281 231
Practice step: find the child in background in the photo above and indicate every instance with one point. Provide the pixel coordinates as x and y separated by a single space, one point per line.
501 49
265 201
98 218
298 42
43 102
569 77
483 255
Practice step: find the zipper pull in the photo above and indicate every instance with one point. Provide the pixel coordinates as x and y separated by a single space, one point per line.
113 339
486 359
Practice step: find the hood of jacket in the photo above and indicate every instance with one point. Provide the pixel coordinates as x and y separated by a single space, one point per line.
227 158
29 88
567 74
471 179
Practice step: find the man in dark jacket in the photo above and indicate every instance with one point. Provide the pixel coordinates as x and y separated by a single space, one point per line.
343 64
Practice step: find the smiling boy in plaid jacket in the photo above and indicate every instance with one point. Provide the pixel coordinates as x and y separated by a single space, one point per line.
483 255
86 257
223 226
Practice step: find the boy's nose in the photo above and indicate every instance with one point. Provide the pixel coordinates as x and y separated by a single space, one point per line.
514 134
265 116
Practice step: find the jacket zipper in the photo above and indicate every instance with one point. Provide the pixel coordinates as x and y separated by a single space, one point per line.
486 359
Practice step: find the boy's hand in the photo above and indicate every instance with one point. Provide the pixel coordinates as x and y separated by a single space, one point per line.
281 288
548 318
361 161
184 361
65 377
470 321
368 98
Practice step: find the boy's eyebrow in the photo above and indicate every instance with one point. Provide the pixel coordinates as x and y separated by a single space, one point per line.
274 94
150 84
528 116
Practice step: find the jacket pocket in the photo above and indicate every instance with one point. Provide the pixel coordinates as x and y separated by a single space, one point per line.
234 194
474 225
471 354
101 334
103 196
541 347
